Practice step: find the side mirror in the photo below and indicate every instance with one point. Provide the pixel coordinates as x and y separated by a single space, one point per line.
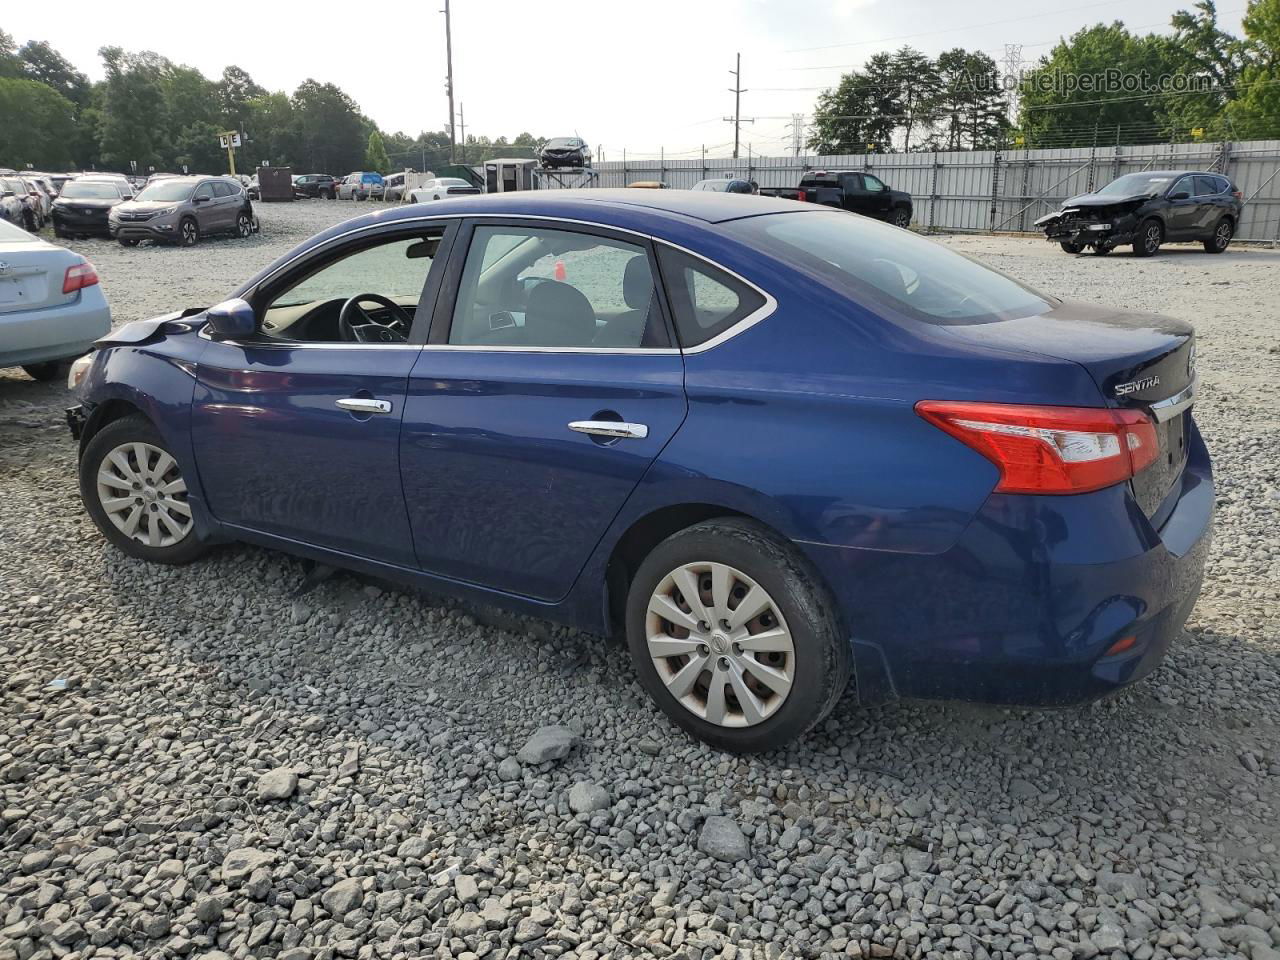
232 320
1180 195
6 194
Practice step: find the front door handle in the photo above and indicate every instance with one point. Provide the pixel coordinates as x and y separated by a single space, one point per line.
363 405
610 428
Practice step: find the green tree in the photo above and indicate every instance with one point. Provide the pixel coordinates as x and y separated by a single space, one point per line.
375 154
133 109
37 125
1090 88
1255 113
331 134
272 131
10 62
42 63
235 91
970 110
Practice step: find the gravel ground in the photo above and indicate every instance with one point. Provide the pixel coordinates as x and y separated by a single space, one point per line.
193 764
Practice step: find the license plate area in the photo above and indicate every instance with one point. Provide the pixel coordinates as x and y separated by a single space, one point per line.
10 290
1152 485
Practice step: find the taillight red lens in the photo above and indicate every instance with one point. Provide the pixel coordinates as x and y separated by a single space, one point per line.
79 276
1050 449
1237 194
800 195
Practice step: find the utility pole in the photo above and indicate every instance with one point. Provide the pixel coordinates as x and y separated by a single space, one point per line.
448 46
462 126
737 92
1013 69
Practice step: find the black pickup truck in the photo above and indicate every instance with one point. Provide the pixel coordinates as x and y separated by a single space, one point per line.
855 191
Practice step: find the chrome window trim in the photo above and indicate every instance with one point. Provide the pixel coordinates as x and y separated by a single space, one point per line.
1170 407
750 320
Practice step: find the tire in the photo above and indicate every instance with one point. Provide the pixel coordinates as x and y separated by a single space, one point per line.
59 232
1221 239
902 218
1150 236
326 194
1101 250
29 222
113 455
244 226
188 232
44 372
128 243
1069 247
806 646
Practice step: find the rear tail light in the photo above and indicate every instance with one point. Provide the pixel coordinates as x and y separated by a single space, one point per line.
1050 449
1237 194
79 276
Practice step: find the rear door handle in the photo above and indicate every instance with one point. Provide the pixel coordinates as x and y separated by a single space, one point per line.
364 405
610 428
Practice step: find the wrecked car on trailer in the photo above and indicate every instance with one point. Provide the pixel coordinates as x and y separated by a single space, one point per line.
1148 209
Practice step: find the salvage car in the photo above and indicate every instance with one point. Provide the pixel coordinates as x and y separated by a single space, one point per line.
1147 210
852 190
725 185
82 208
774 445
361 185
565 152
441 188
13 206
181 210
318 185
51 305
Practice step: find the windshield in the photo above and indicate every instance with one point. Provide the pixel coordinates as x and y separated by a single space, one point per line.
452 182
85 190
1137 184
718 185
166 190
895 267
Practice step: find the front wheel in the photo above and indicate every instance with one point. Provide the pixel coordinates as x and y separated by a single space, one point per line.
1069 247
1221 238
128 243
135 492
326 194
734 637
1150 236
189 232
902 218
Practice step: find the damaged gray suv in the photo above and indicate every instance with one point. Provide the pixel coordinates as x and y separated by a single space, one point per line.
182 210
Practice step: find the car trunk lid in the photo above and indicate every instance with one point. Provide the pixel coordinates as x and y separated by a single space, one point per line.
31 273
1138 361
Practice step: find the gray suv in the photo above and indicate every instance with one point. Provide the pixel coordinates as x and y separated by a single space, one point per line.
182 210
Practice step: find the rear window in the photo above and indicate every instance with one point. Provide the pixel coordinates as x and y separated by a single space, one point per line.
893 267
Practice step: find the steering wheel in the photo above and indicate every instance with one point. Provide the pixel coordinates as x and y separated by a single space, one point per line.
356 326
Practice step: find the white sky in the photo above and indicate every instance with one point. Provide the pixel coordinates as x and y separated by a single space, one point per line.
639 75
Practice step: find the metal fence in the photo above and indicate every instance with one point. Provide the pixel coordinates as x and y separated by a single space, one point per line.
997 191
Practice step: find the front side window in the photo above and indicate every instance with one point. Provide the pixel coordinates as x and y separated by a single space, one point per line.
537 287
309 308
705 300
1186 185
872 184
908 273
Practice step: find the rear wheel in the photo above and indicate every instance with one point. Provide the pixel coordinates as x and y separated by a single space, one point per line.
189 232
1221 238
135 492
1150 236
734 637
49 370
244 226
1069 247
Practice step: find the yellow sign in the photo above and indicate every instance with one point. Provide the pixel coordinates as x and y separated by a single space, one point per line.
1020 141
1198 132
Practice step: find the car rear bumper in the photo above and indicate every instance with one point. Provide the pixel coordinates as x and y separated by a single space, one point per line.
54 333
1025 607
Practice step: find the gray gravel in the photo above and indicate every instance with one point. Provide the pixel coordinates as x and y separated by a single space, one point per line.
225 773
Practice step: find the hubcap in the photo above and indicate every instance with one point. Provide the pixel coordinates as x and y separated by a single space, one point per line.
1153 237
1224 234
189 232
245 226
143 494
720 644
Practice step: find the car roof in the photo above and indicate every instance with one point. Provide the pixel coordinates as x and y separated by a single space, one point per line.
604 206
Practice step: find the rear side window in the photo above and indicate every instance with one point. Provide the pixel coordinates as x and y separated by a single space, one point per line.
222 189
1208 186
706 300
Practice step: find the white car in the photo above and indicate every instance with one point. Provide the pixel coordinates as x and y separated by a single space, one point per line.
51 305
442 187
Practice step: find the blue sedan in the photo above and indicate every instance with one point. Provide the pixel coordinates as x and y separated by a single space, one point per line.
778 447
